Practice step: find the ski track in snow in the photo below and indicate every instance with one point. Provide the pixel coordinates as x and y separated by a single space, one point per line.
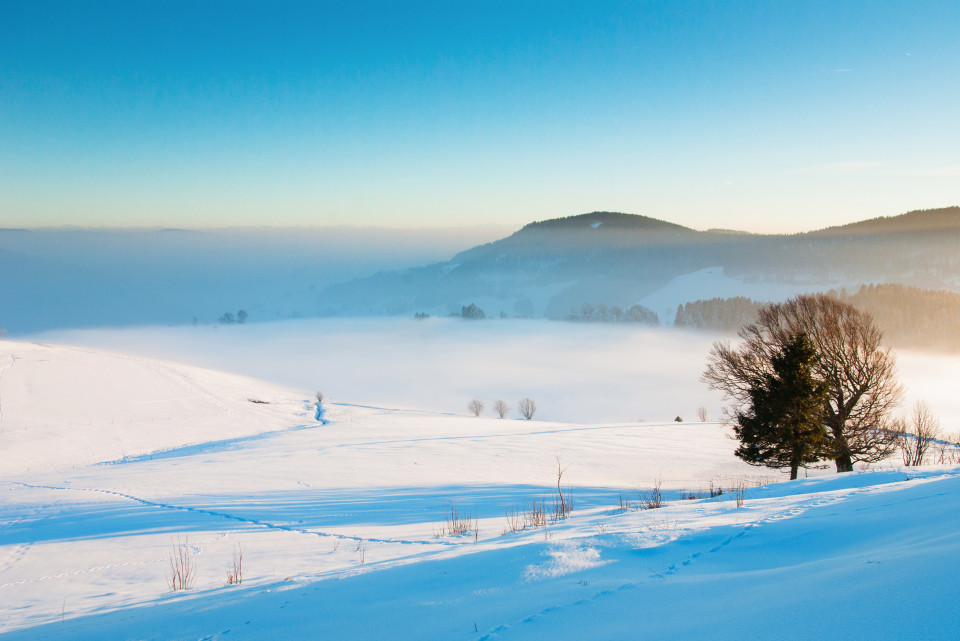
207 447
255 522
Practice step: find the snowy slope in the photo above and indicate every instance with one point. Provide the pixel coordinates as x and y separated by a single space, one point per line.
342 524
61 406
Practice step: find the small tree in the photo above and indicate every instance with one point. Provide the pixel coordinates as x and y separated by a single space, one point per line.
501 408
917 438
527 408
472 312
783 427
702 414
475 406
227 318
242 316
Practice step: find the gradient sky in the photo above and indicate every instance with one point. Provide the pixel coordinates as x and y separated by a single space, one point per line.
765 116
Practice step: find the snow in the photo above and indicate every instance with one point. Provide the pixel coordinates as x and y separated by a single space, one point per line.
112 457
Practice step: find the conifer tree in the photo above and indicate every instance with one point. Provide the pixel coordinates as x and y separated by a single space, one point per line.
783 425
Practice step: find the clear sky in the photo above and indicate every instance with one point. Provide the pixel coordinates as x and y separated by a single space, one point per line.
766 116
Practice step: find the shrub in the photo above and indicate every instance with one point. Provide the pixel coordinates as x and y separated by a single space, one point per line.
653 499
475 406
915 441
527 408
182 571
235 569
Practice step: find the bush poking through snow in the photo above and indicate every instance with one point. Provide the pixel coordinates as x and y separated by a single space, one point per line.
475 406
535 513
459 523
182 571
235 569
515 521
740 493
653 499
527 408
562 508
362 549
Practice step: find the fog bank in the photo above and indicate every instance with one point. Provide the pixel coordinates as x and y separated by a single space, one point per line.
574 372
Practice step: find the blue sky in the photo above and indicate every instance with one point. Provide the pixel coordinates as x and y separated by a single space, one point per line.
766 116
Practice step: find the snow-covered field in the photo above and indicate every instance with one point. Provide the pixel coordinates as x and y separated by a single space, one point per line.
110 459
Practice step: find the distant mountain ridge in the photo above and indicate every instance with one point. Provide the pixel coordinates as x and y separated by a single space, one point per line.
919 220
549 268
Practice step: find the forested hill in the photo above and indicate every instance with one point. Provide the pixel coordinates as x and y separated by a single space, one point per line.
921 220
551 267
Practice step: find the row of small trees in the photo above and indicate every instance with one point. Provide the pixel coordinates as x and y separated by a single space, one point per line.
228 318
526 407
614 314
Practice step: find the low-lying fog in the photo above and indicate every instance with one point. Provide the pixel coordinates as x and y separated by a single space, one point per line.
575 372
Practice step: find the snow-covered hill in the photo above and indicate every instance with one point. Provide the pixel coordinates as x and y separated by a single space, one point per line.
344 525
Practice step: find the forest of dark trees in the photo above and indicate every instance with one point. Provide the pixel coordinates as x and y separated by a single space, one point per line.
910 317
602 313
723 314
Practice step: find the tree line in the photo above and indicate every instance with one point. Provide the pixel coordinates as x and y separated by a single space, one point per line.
911 317
602 313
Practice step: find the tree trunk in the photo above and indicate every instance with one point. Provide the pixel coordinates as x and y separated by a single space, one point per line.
844 462
793 472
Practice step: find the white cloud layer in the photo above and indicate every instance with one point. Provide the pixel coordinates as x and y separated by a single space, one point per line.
574 372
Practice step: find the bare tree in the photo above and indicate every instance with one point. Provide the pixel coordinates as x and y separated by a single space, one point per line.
501 408
702 414
475 406
527 408
917 438
858 371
